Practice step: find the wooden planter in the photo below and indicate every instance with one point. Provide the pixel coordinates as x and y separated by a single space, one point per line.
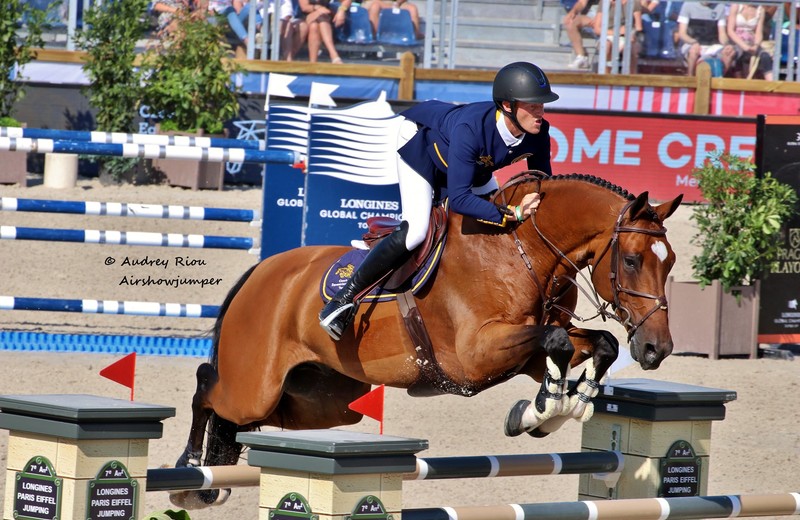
712 322
14 169
191 173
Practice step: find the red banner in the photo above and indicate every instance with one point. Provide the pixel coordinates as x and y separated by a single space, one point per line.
645 153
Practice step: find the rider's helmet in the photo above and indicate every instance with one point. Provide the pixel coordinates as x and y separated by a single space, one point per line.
521 81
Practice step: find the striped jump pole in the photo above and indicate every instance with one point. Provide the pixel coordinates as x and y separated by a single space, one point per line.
433 468
123 138
723 506
129 238
150 151
202 477
517 465
123 209
133 308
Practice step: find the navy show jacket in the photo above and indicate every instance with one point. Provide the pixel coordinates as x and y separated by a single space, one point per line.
458 147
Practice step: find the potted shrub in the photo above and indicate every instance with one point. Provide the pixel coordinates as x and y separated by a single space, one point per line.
109 38
189 84
16 52
738 233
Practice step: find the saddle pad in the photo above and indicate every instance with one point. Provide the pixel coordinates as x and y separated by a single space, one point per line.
343 268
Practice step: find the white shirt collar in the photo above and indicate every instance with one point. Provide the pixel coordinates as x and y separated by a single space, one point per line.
506 134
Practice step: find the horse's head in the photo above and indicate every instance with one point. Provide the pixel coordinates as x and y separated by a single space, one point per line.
631 272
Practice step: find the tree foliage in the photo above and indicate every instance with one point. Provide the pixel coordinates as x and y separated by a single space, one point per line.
739 228
109 38
17 16
190 76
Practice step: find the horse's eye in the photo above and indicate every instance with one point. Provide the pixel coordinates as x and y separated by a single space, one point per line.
631 262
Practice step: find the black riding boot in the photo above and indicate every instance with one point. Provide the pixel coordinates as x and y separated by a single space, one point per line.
390 253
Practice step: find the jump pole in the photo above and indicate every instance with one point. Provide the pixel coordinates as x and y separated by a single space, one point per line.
125 138
128 209
128 238
149 151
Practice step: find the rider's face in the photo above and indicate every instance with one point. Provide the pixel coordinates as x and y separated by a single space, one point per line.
529 116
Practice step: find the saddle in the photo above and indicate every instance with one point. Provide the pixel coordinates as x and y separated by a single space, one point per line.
379 228
418 269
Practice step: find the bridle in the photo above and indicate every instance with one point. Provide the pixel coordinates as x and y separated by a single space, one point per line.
551 297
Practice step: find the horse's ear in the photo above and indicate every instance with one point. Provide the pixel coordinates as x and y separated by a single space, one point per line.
639 207
668 208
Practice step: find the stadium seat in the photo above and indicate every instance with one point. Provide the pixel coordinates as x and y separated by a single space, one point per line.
395 28
658 33
356 28
785 42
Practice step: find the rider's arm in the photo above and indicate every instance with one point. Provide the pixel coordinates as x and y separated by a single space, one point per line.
462 168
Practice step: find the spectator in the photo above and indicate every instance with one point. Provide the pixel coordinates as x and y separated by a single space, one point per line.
637 26
166 10
321 21
578 18
575 21
374 8
746 31
236 12
294 30
703 34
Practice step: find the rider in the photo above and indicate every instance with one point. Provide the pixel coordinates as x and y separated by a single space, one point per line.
452 150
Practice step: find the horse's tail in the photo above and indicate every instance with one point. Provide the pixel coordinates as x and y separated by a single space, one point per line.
222 310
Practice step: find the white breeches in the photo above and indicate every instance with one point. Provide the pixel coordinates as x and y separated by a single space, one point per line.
416 195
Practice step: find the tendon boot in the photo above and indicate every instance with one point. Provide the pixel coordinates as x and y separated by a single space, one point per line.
390 253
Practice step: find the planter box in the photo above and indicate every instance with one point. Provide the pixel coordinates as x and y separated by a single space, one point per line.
13 168
712 322
191 173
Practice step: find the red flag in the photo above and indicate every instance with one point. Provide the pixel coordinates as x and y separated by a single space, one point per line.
370 404
122 371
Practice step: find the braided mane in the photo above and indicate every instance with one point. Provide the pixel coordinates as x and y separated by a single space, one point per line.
597 181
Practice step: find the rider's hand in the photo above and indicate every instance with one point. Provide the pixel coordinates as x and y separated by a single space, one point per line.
529 204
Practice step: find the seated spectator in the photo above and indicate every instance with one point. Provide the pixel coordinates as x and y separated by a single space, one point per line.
237 13
374 8
746 31
294 30
577 18
703 34
597 26
321 21
166 10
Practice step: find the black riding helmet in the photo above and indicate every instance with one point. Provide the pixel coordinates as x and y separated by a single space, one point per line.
521 81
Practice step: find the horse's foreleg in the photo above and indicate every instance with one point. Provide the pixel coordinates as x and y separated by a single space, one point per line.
525 416
601 348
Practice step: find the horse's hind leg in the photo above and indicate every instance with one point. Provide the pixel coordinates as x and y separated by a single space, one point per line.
222 446
525 416
206 378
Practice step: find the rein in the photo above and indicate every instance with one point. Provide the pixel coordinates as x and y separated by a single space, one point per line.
550 303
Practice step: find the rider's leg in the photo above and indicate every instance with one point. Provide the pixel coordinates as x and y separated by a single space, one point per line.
416 197
390 253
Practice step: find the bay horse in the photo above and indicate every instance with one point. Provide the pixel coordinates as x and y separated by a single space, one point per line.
500 303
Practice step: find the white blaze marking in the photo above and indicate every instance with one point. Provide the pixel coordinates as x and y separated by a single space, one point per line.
660 250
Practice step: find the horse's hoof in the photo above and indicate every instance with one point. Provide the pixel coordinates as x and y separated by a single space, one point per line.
513 425
199 499
537 433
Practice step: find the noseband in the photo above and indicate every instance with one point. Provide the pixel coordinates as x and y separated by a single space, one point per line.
550 302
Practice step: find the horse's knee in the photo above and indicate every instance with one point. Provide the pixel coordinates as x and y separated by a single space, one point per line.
606 350
556 343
